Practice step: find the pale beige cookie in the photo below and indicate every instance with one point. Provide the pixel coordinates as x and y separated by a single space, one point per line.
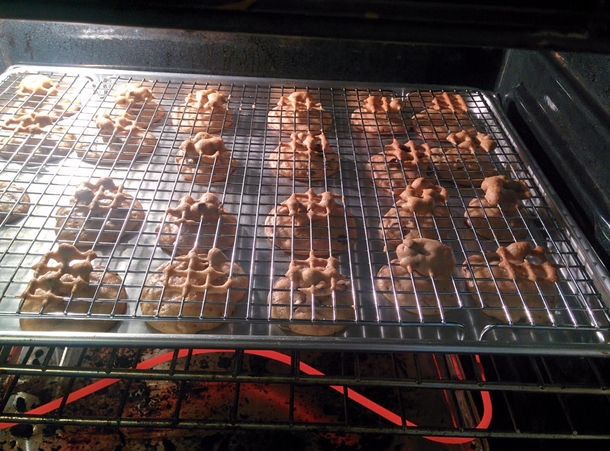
197 224
420 212
437 125
427 257
468 163
313 290
501 191
438 101
299 112
69 286
37 84
416 293
24 121
203 111
205 158
449 101
306 157
99 214
38 147
14 202
308 222
493 223
120 139
379 114
138 102
399 164
193 286
517 277
40 94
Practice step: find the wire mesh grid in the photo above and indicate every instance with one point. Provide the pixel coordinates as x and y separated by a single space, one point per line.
143 156
399 394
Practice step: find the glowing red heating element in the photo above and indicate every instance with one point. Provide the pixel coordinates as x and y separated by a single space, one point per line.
273 355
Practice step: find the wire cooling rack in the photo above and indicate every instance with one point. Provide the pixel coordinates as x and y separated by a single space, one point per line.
571 318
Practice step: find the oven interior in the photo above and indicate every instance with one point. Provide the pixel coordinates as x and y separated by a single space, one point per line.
367 390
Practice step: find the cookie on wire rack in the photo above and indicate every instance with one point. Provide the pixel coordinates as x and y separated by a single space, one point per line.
197 223
71 285
99 214
299 112
419 279
315 291
307 156
307 222
193 286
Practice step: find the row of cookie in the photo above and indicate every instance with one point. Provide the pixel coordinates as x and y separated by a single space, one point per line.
421 210
443 114
467 163
516 282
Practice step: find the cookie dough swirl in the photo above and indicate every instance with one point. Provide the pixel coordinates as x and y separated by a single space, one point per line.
63 287
379 114
299 112
205 159
308 222
306 157
99 214
313 290
420 278
203 111
515 283
193 286
197 223
420 211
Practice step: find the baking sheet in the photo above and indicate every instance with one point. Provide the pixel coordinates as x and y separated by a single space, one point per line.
578 323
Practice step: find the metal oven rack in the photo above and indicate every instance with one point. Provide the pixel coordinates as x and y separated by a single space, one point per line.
426 401
125 387
578 323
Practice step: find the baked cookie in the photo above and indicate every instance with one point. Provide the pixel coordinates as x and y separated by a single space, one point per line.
307 222
494 223
14 202
497 214
469 162
138 103
437 125
193 286
194 224
313 290
306 157
203 111
438 101
299 112
420 211
38 147
427 257
419 279
24 121
504 192
39 93
99 214
379 114
37 84
120 139
68 287
399 164
415 293
515 283
205 158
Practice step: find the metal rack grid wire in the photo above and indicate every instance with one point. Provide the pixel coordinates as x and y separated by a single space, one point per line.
120 387
253 190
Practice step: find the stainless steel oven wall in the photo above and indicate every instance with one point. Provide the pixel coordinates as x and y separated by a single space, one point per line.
238 54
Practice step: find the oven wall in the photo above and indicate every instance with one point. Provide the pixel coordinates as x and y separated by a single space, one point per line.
26 42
